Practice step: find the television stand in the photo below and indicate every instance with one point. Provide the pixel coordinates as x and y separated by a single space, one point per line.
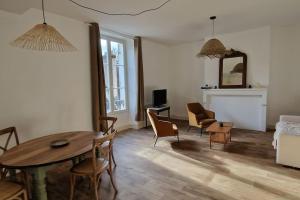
157 110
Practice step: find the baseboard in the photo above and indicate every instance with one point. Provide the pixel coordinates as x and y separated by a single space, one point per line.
179 117
138 125
134 125
270 128
124 127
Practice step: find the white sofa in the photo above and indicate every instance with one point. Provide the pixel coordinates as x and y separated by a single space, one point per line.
288 144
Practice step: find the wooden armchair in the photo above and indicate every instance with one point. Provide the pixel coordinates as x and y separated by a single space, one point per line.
199 117
161 126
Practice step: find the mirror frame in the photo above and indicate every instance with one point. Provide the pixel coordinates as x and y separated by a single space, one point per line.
233 54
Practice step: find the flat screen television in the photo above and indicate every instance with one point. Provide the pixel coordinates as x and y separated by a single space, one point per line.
159 97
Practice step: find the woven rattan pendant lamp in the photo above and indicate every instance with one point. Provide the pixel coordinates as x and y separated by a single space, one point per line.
213 48
43 37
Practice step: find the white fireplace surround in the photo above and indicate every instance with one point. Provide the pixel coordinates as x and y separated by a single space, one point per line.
246 108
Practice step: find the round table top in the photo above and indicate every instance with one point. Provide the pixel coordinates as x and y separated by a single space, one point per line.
38 152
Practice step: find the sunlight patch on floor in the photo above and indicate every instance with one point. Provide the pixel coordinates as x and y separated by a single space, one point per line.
235 179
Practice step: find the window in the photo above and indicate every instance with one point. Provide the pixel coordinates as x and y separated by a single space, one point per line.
113 53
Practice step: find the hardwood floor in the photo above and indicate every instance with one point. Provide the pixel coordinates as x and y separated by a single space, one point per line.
189 170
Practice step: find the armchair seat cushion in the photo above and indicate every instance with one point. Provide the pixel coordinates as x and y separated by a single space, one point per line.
201 117
206 122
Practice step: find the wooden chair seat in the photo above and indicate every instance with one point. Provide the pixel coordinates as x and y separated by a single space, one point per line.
86 167
10 190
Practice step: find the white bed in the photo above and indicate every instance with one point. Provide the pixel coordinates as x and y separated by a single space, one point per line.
287 141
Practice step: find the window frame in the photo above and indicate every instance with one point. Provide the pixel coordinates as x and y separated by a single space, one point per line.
110 39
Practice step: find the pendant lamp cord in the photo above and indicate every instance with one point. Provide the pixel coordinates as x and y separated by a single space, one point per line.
119 14
43 8
213 27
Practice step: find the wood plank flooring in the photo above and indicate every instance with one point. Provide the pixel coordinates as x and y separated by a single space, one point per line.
189 170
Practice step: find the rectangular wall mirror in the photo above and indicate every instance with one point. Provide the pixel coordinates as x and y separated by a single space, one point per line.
233 70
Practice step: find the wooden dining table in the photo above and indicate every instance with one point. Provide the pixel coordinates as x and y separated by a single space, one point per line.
37 155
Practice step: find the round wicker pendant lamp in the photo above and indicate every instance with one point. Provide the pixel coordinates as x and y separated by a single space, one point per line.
213 48
43 37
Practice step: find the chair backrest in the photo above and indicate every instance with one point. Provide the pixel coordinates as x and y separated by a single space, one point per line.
109 123
153 120
97 145
7 133
195 108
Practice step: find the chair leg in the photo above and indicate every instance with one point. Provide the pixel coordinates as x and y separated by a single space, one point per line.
25 195
201 131
189 128
155 141
112 180
110 161
113 157
94 181
178 138
72 186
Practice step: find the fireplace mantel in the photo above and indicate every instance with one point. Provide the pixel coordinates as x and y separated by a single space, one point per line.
246 108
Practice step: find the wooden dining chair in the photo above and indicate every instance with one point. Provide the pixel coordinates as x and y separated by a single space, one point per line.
10 190
6 135
109 123
9 133
94 167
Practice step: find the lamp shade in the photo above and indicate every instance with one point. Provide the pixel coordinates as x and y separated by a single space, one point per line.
43 37
213 48
238 68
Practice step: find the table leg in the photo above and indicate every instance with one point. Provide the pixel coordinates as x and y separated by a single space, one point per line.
39 183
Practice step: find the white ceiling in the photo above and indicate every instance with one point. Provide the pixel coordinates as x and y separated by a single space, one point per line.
178 21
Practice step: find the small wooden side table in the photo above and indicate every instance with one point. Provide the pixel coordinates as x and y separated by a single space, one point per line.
157 110
219 134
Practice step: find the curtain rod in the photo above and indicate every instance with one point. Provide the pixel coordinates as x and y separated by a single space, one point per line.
126 35
129 36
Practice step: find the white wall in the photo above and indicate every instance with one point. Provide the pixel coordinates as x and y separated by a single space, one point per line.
284 90
186 77
44 92
189 72
156 68
272 62
256 44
